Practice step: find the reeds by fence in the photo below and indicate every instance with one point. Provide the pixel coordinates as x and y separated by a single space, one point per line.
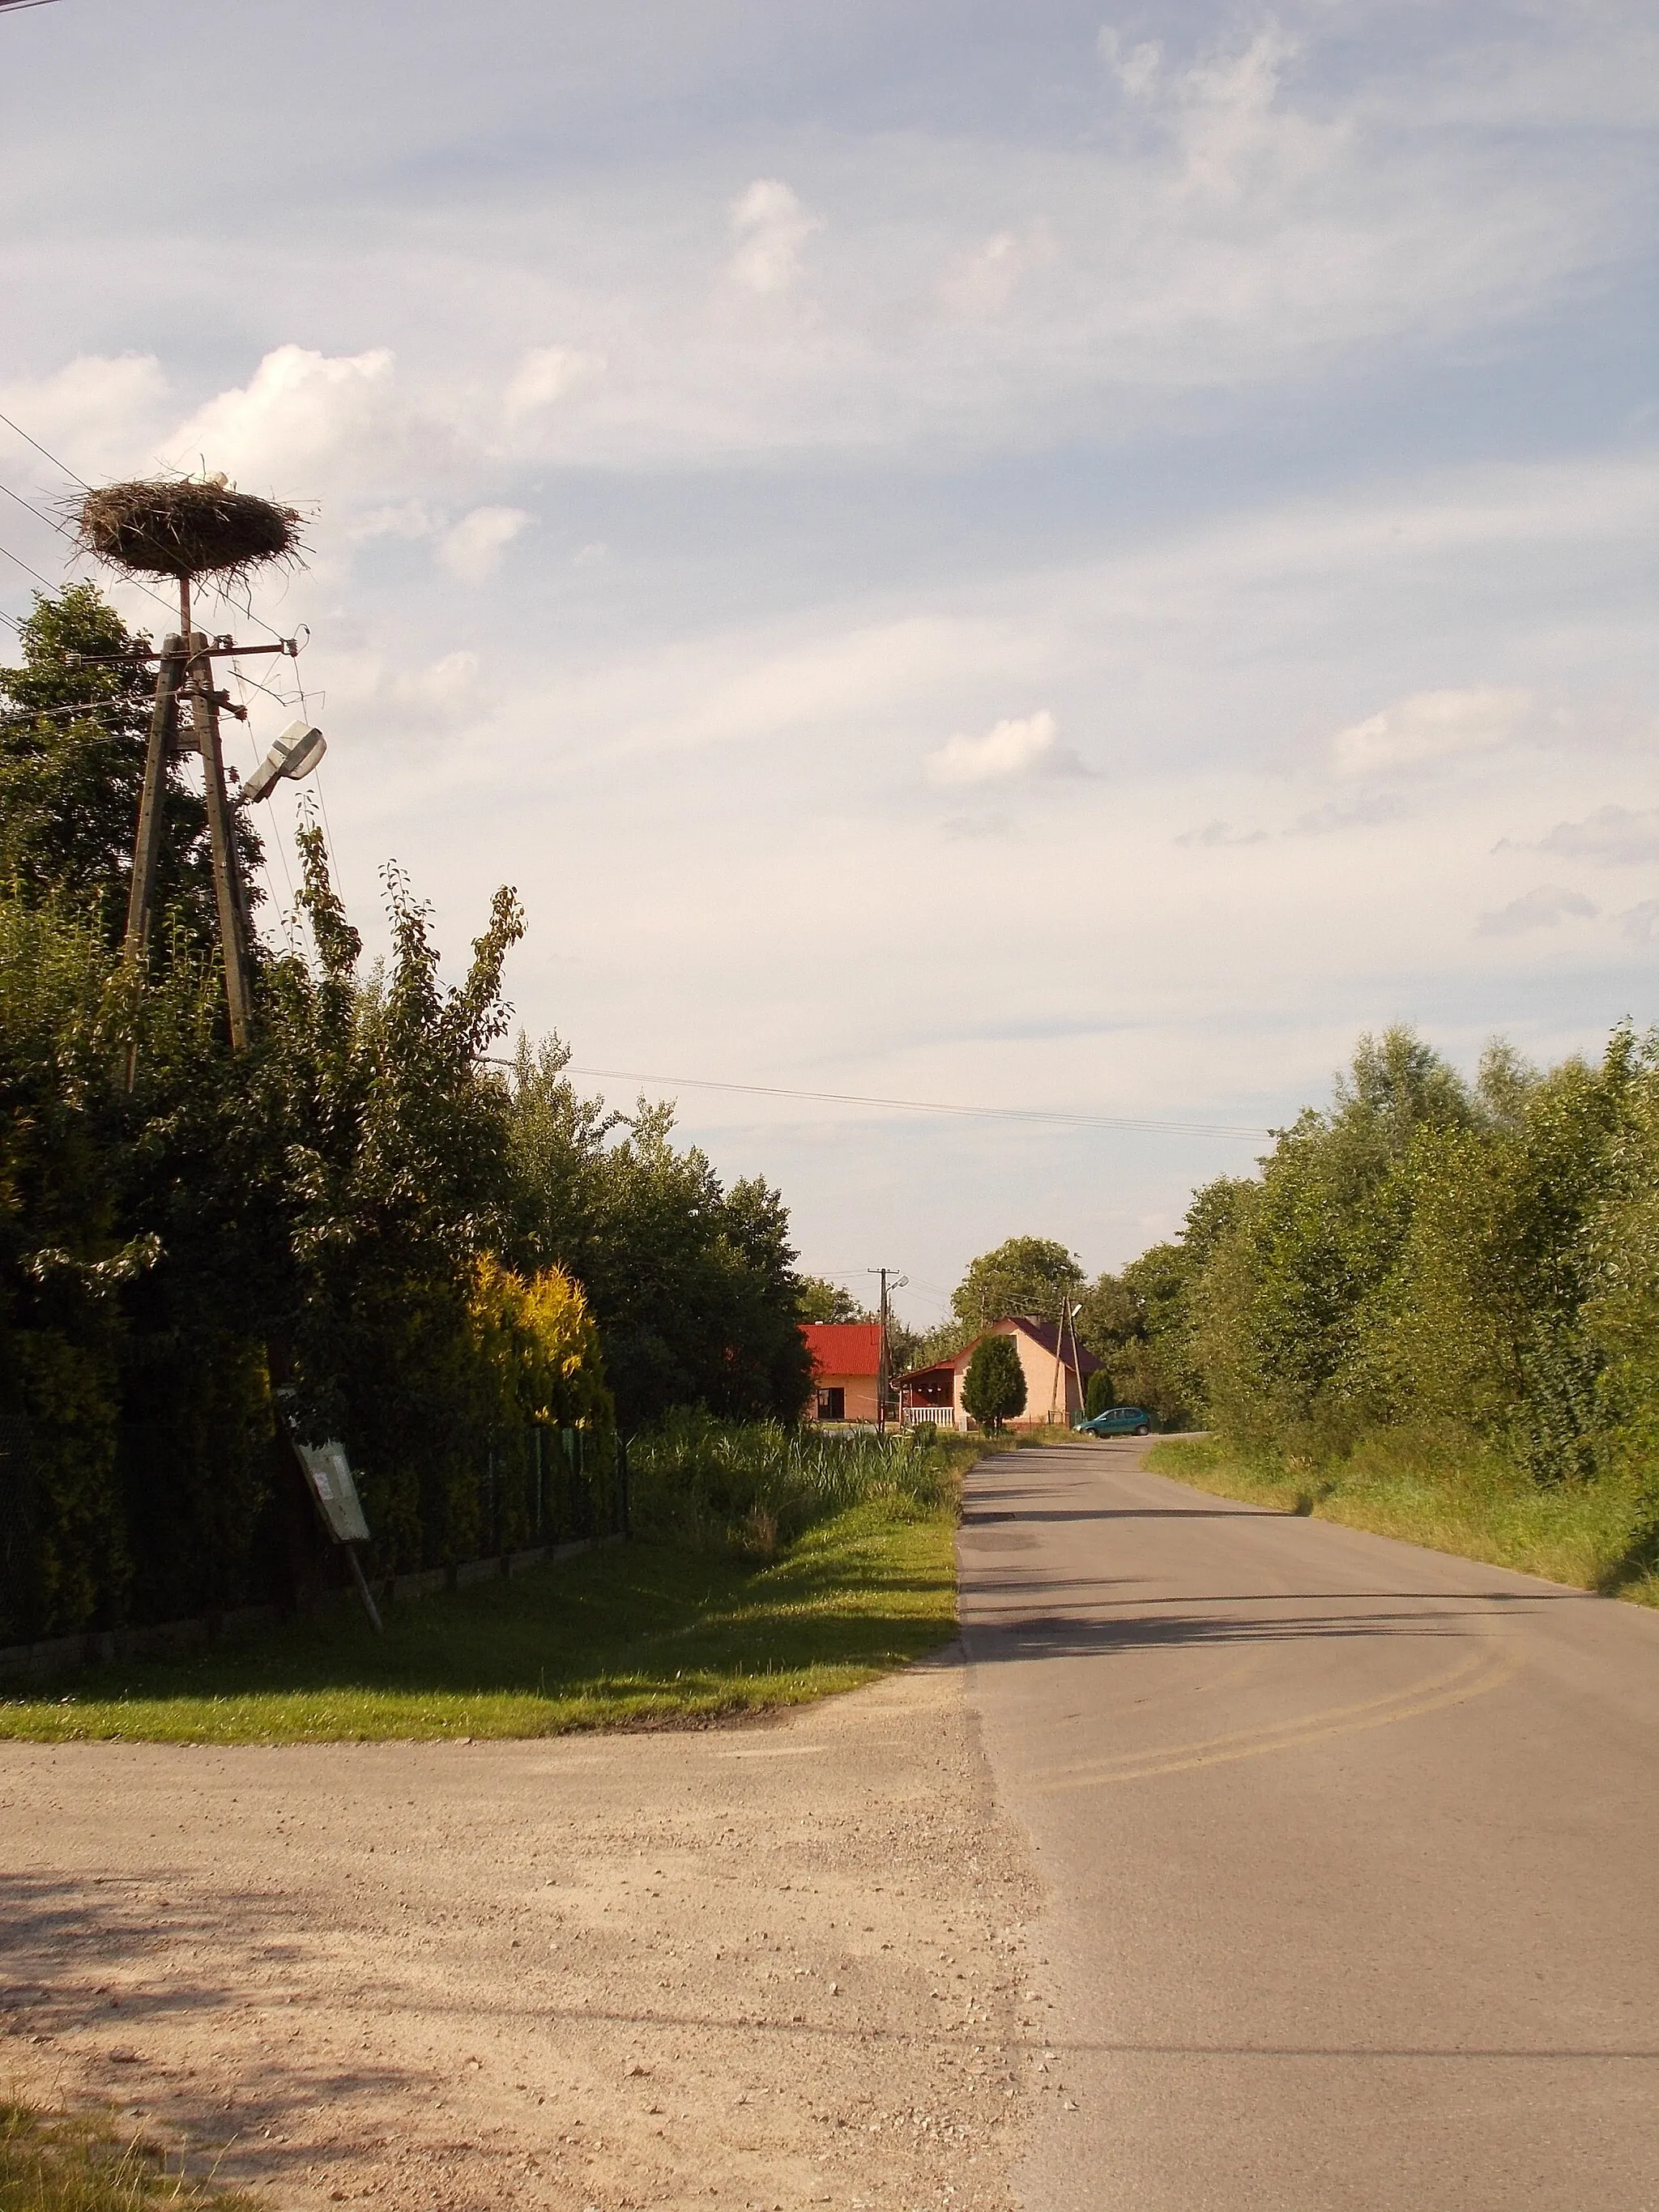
752 1487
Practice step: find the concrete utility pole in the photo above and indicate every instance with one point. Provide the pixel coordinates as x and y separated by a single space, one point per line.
882 1362
234 920
185 687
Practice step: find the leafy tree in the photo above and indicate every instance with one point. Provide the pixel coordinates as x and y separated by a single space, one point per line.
1098 1395
1140 1321
1463 1261
1619 1316
386 1178
1030 1275
1280 1319
73 741
821 1300
329 1192
906 1346
1483 1320
994 1388
693 1286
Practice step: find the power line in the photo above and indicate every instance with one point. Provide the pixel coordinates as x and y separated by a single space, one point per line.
52 520
27 571
219 592
18 426
917 1105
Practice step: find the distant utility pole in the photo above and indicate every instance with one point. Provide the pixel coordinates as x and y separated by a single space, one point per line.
882 1362
1068 1314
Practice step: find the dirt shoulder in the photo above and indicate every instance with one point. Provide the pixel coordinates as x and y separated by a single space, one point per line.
777 1964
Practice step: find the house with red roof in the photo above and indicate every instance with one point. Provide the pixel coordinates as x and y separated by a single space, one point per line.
1056 1369
846 1369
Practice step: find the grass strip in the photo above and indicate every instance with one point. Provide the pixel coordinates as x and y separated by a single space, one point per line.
49 2163
1598 1536
632 1635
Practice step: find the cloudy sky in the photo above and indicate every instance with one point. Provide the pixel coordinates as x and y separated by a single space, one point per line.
1012 556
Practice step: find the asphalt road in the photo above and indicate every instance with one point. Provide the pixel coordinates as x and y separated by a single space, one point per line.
1350 1855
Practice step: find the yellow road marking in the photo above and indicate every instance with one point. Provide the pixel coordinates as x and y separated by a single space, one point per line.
1483 1670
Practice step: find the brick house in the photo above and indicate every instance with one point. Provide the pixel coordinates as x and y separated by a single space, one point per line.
846 1369
1056 1376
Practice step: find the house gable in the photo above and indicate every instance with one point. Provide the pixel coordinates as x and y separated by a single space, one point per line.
1055 1374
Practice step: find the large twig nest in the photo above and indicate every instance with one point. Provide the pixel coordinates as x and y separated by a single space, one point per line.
186 529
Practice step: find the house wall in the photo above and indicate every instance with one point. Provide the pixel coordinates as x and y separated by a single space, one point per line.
1038 1367
861 1402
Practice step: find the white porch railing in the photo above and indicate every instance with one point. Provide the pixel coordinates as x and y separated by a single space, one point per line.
941 1417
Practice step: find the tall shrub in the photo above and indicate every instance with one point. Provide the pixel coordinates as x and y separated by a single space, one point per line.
994 1388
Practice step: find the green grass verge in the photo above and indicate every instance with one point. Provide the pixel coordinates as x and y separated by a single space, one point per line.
1597 1536
630 1635
52 2164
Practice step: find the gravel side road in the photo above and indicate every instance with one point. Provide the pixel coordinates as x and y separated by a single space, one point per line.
773 1965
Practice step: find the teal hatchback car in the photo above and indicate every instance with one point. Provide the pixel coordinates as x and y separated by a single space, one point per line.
1118 1421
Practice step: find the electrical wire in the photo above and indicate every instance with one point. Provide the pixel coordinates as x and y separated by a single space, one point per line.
217 590
1147 1124
276 836
27 570
57 586
316 780
49 713
51 520
688 1082
24 435
281 697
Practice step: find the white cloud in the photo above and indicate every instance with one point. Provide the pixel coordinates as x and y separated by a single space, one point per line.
1221 833
95 410
1134 67
1428 726
770 225
1367 812
1611 833
371 692
302 421
408 518
1542 908
1235 138
1640 923
984 280
1012 748
472 549
545 375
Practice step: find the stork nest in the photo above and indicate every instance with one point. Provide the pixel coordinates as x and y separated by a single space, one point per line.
186 529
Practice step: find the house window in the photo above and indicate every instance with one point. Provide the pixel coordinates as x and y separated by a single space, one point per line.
832 1405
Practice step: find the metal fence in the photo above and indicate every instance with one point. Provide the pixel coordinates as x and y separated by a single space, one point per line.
553 1487
180 1534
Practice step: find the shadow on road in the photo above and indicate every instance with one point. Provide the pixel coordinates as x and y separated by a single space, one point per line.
1069 1636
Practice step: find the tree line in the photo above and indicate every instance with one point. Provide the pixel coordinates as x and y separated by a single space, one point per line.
425 1252
1473 1263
